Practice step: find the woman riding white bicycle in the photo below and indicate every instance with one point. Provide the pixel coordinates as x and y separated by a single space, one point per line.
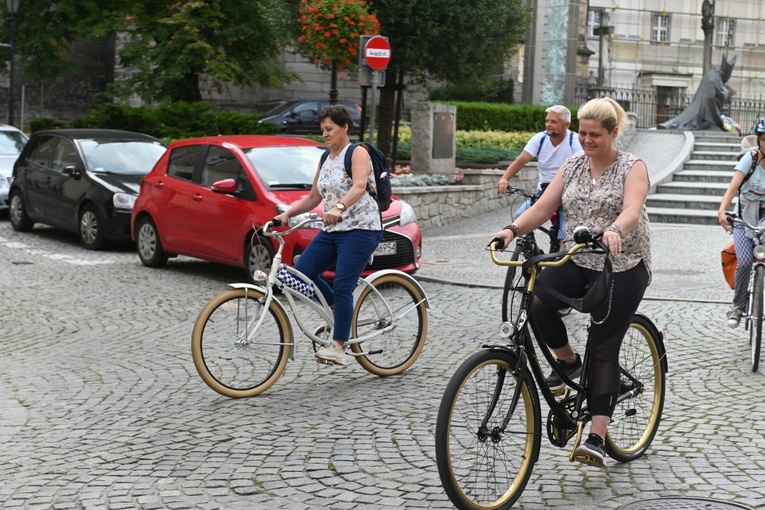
349 243
750 207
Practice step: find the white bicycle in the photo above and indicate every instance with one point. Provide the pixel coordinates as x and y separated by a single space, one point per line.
243 337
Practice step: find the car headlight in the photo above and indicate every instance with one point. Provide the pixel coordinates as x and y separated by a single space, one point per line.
407 214
124 201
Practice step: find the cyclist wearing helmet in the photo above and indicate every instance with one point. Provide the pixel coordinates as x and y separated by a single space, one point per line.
751 207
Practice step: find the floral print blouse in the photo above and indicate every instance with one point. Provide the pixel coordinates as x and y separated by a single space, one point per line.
334 183
597 206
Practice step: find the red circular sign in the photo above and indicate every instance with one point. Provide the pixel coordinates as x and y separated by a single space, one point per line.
377 53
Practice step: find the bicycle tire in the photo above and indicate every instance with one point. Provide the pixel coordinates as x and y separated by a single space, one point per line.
229 362
508 311
482 469
403 344
636 419
755 327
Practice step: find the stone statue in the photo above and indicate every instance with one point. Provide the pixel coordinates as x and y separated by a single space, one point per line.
707 16
705 110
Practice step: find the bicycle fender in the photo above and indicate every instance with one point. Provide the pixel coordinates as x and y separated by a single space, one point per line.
374 276
274 302
660 335
247 286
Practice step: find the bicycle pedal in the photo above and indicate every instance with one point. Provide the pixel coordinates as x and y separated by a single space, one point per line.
329 363
590 460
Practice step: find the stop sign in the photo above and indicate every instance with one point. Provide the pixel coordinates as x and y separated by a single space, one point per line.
377 53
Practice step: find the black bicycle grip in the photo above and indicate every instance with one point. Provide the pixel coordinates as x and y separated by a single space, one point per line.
276 222
497 240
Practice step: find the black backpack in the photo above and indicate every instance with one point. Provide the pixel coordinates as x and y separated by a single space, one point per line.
382 192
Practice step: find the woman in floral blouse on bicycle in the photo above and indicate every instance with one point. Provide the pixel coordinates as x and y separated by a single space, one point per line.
603 189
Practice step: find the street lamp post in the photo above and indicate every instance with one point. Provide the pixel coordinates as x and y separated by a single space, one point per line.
13 8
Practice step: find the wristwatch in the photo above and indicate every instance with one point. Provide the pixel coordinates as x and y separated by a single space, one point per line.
616 228
340 206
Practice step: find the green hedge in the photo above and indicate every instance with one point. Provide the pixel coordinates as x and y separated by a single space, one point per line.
504 117
169 121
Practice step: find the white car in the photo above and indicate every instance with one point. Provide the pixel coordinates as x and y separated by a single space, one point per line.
11 142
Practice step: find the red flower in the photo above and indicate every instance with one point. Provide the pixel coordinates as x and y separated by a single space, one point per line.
325 39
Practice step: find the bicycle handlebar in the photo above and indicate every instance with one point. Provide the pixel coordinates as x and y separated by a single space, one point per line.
582 237
732 218
310 218
511 190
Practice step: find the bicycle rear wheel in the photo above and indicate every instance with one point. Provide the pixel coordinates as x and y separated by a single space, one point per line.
638 413
755 326
510 301
400 346
481 466
229 358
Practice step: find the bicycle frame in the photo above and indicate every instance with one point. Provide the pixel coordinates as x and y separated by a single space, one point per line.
321 308
523 347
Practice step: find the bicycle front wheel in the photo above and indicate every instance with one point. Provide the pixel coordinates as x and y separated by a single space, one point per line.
231 356
638 412
755 326
483 465
392 352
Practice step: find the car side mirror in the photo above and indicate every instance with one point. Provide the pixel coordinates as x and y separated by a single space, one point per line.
71 171
228 186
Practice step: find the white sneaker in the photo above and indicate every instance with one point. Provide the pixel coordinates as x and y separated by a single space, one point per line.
334 353
734 316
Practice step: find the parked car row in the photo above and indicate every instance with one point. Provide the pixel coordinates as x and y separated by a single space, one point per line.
203 197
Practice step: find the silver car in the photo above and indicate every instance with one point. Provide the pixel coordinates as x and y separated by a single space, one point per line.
12 141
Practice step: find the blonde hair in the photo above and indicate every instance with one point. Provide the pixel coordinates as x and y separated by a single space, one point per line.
608 112
565 113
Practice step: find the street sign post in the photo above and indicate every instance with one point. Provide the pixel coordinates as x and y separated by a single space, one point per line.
375 57
377 52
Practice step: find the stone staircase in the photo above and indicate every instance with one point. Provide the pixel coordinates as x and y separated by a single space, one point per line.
694 193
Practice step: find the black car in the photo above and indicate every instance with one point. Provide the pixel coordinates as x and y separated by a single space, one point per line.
302 117
81 180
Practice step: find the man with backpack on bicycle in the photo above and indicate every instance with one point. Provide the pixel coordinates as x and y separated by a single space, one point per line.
552 147
748 183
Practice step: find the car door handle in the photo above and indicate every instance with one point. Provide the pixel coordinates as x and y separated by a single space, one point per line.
196 197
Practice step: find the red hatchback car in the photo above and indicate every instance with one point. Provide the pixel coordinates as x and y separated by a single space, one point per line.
183 208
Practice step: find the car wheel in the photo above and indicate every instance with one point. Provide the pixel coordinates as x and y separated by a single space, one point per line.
149 246
18 214
91 228
258 256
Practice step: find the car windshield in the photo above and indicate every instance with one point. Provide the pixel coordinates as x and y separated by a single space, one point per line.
11 143
121 157
285 167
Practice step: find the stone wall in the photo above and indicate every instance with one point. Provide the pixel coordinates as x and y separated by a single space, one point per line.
436 206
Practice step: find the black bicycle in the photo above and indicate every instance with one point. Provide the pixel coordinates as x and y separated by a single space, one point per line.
489 424
526 247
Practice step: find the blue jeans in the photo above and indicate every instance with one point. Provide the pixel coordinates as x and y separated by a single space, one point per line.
350 251
561 217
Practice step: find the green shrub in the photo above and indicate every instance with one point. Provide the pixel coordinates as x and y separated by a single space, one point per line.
173 120
496 91
503 117
485 155
45 123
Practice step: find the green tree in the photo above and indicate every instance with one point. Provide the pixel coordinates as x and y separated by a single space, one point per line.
450 40
170 44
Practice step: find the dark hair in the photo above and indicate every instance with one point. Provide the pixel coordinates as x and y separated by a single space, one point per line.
338 114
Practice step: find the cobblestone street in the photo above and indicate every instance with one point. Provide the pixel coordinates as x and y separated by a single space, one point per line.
101 406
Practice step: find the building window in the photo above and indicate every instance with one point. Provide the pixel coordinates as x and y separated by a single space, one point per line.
660 28
594 20
725 27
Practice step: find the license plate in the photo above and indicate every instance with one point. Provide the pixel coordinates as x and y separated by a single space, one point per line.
386 248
